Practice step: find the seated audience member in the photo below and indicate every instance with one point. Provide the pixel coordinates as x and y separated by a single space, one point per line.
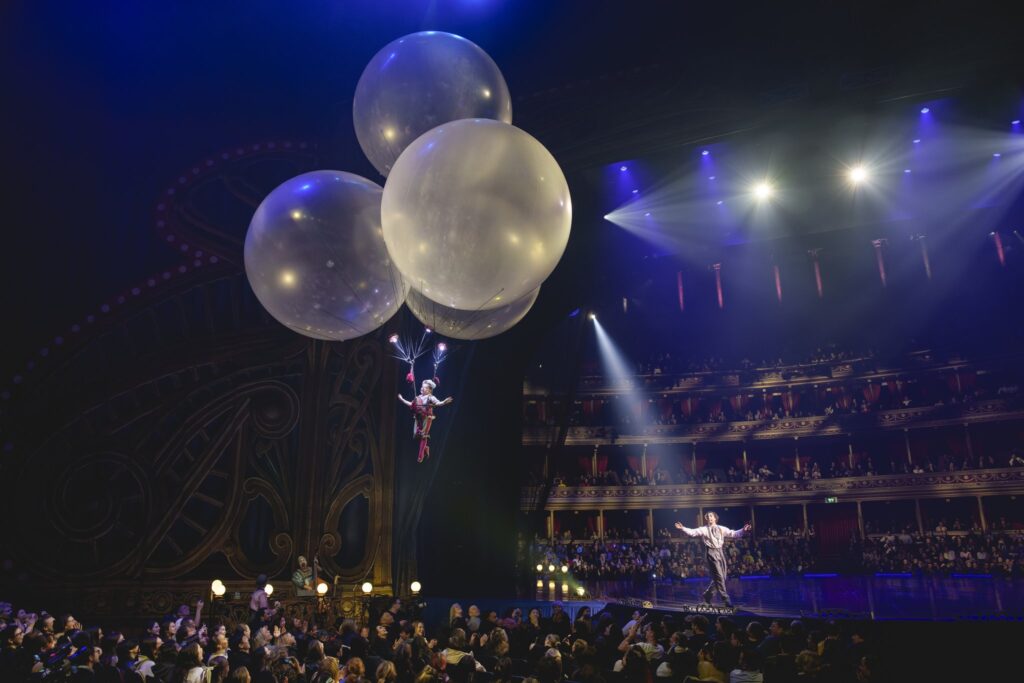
749 669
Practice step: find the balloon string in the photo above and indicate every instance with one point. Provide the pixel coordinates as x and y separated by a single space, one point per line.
336 258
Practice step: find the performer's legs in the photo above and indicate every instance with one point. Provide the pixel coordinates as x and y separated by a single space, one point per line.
719 570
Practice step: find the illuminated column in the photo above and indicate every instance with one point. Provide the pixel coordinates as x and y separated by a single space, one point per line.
817 270
860 520
917 513
849 455
693 460
593 462
650 524
981 516
970 446
796 451
753 520
906 441
643 462
999 248
679 289
745 468
778 283
717 267
806 526
551 525
600 524
923 244
880 258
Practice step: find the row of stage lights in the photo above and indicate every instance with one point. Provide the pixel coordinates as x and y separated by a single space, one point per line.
580 590
765 189
218 589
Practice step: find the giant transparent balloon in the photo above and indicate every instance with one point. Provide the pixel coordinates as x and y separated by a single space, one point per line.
451 322
315 256
419 82
476 213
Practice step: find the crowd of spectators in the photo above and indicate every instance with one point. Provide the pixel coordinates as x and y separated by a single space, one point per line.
629 555
624 555
623 412
664 363
941 553
178 648
812 468
475 646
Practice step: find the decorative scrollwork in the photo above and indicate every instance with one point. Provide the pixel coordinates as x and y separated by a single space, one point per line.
204 435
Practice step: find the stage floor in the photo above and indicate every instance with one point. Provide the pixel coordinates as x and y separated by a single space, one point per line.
865 597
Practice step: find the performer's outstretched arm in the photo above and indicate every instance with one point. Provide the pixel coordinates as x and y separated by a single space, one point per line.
692 533
738 533
404 400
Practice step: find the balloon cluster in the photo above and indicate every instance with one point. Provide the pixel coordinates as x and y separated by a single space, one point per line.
473 217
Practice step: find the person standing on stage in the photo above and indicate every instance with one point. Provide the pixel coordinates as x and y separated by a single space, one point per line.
714 537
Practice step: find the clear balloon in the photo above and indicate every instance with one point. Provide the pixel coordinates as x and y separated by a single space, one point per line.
451 322
476 214
419 82
315 256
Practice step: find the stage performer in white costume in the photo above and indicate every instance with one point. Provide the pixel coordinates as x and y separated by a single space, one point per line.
714 537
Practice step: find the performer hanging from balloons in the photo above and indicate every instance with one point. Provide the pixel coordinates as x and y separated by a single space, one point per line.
714 537
422 407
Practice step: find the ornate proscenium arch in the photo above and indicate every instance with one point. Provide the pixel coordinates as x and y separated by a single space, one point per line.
185 435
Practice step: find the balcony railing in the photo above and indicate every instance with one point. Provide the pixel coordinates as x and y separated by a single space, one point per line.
1002 481
820 425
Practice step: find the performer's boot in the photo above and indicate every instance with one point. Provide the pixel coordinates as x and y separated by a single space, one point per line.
707 597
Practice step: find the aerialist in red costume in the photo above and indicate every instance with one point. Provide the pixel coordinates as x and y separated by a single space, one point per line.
422 408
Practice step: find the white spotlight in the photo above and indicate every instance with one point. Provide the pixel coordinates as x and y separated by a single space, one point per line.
858 174
764 190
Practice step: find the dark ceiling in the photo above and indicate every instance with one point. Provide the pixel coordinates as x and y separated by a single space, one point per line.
105 105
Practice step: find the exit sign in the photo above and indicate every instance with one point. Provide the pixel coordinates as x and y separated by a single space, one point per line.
832 499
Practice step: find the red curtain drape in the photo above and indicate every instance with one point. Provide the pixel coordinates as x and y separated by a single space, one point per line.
686 405
898 388
602 463
665 408
652 463
715 409
739 402
872 392
790 401
634 462
584 463
841 398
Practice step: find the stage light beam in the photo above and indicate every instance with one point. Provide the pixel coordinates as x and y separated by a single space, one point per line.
858 175
764 190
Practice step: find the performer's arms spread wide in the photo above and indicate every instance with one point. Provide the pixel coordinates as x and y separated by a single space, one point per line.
404 400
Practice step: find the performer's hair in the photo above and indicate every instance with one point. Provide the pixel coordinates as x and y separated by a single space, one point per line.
430 383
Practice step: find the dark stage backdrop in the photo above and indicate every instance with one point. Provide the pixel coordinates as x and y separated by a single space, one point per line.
179 435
